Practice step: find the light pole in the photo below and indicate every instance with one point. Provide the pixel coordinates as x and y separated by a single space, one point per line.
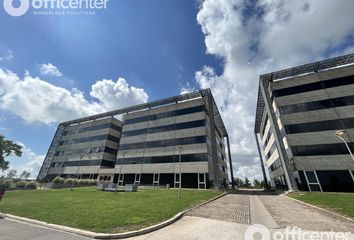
180 148
341 134
120 170
77 168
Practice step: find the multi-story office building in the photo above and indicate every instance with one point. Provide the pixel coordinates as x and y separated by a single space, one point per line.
152 145
299 112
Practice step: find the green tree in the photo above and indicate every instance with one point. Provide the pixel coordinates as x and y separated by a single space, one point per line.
11 174
25 175
247 183
239 182
7 148
257 184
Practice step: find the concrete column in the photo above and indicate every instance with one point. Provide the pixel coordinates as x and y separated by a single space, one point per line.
214 155
230 162
262 160
290 180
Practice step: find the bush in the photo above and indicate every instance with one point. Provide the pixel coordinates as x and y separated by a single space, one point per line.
31 185
58 180
68 181
7 183
20 184
83 181
93 182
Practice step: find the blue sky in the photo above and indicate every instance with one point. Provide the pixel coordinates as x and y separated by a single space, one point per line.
156 45
55 68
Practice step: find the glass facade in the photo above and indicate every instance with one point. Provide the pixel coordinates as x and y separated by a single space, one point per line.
86 151
84 163
345 123
165 114
165 128
164 159
317 105
93 128
90 139
164 143
321 149
314 86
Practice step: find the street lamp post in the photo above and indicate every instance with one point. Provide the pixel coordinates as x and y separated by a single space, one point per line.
341 134
180 148
120 170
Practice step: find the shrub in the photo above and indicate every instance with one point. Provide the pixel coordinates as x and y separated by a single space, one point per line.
93 182
58 180
7 183
83 181
68 181
20 184
31 185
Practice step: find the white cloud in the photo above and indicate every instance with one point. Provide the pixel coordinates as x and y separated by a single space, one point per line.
48 69
29 161
36 100
6 55
258 37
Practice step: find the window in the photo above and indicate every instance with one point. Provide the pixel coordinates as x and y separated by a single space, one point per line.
90 139
165 114
164 143
163 159
321 149
320 126
316 105
314 86
165 128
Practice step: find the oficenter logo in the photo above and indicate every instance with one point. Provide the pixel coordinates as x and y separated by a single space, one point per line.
16 11
53 7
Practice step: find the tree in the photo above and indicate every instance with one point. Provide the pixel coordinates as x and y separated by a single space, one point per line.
11 174
247 183
7 148
25 175
257 184
239 182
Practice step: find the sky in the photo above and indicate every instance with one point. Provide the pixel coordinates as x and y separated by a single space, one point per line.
60 67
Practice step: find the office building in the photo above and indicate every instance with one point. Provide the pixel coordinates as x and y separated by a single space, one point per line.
299 112
152 144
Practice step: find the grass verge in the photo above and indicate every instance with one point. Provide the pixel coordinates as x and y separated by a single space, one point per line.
105 212
342 203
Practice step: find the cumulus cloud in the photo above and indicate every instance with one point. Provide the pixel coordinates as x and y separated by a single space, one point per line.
255 37
36 100
48 69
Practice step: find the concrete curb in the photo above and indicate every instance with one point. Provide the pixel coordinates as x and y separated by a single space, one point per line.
107 235
319 208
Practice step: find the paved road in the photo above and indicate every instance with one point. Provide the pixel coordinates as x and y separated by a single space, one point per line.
14 230
226 218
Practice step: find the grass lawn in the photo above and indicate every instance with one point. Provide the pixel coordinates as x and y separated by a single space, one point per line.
88 209
342 203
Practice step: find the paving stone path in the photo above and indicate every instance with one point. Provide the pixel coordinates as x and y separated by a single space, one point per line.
271 210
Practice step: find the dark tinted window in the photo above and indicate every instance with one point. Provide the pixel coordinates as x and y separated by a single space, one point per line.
165 128
164 159
323 104
314 86
320 126
164 143
93 128
321 149
90 139
165 114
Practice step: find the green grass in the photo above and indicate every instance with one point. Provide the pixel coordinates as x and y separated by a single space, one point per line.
342 203
88 209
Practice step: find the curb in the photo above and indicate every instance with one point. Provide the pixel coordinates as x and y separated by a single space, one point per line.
319 208
95 235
